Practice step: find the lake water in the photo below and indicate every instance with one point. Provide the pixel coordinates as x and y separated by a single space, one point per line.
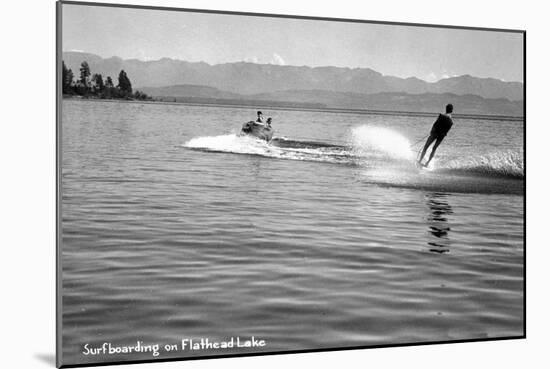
174 227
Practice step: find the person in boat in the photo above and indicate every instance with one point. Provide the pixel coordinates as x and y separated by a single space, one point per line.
440 128
260 117
268 122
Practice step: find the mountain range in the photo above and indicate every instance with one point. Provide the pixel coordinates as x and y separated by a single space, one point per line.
332 86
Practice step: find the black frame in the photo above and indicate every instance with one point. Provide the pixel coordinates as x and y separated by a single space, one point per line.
59 51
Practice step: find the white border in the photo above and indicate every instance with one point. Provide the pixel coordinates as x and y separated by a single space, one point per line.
28 181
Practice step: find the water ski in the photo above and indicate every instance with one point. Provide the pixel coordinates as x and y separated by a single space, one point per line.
419 164
425 166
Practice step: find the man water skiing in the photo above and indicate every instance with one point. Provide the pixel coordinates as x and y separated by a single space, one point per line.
439 130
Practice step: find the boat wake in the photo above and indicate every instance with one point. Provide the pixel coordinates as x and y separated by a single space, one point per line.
387 159
280 148
368 146
507 164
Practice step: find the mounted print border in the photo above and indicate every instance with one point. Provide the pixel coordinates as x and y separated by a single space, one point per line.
235 184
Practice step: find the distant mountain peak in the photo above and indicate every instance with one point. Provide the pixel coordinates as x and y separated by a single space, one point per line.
251 78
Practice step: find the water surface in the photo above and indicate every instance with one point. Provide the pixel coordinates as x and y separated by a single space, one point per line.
175 227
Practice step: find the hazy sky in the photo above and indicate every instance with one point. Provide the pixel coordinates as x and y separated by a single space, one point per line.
403 51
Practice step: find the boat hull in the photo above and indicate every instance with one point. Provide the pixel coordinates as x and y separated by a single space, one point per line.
257 130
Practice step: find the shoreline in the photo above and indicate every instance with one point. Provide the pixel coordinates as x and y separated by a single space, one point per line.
309 109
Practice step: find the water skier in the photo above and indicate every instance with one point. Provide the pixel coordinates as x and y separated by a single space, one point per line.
440 128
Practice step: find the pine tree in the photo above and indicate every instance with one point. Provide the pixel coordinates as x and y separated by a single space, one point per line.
109 82
110 90
67 79
124 84
97 80
84 73
83 86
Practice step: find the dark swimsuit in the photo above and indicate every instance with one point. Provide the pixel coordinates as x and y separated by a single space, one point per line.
441 126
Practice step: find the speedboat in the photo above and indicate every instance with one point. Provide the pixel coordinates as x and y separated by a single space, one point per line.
258 130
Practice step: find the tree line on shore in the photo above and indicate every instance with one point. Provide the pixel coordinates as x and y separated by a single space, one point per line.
93 85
